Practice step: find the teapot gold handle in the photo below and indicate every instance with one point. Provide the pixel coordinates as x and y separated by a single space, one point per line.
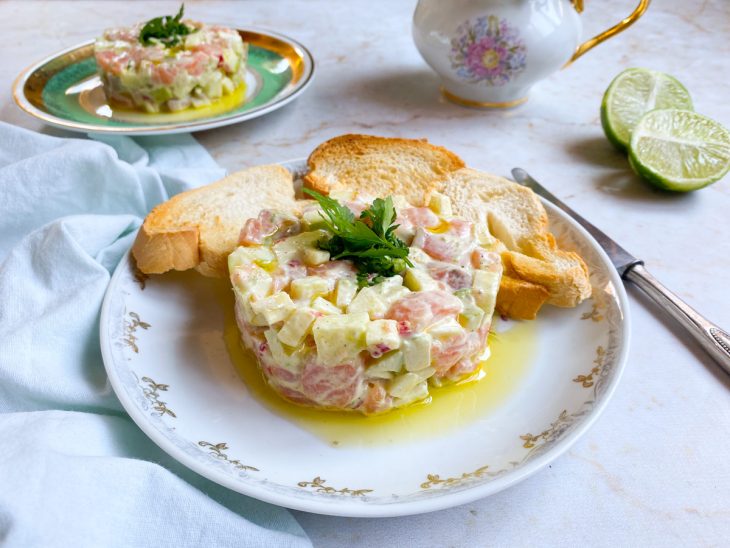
606 34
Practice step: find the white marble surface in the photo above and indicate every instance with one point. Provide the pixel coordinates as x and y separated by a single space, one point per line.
654 470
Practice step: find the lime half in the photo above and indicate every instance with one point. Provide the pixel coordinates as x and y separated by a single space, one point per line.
679 150
632 94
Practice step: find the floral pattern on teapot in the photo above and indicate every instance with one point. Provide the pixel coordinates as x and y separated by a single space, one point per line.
487 49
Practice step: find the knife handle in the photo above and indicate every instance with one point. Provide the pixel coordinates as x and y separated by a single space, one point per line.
713 339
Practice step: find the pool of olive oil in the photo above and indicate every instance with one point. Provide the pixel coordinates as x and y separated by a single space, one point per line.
448 407
219 106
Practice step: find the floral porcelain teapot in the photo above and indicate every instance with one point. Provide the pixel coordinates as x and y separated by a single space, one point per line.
489 53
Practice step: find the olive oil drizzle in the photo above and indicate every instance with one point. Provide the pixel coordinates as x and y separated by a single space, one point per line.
447 408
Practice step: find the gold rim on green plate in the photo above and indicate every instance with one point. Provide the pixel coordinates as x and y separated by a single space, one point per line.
64 90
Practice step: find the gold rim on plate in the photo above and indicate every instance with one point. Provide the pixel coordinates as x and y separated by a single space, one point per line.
29 85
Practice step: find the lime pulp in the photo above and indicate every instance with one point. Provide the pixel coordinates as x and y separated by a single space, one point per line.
632 94
679 150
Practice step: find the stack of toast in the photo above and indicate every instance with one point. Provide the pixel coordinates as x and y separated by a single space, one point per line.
200 228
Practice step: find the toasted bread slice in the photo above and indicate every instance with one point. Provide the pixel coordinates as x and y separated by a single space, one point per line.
516 217
199 228
563 273
379 166
512 212
520 299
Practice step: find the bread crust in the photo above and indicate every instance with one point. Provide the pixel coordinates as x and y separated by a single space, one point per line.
377 166
515 215
520 299
157 252
200 228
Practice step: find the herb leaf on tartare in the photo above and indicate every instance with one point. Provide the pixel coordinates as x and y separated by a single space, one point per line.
369 242
167 29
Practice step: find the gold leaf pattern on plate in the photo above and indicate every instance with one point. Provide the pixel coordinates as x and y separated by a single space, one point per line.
130 328
588 380
435 479
556 428
216 449
594 314
318 484
152 393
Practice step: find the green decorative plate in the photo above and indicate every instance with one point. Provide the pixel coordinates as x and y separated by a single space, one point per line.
64 90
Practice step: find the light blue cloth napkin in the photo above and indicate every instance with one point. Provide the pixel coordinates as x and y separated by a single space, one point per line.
74 469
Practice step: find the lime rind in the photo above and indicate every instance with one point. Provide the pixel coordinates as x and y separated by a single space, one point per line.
632 94
679 150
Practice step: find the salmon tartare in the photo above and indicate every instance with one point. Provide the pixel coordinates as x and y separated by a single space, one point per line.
327 333
168 64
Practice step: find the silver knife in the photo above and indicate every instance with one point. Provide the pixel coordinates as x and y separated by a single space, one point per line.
711 337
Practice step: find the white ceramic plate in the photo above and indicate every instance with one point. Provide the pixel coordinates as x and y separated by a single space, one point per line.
170 348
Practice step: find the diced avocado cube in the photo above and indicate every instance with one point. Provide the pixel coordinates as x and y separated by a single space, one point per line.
384 375
425 374
258 286
445 329
214 89
418 256
227 85
440 204
406 232
275 308
419 280
382 336
161 94
293 247
309 287
418 392
314 256
388 285
345 291
390 290
385 367
400 202
343 194
403 384
277 350
368 301
248 314
194 39
486 285
312 219
251 281
471 316
484 238
297 327
417 351
258 255
339 337
324 306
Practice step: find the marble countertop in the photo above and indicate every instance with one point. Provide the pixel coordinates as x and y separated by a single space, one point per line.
654 469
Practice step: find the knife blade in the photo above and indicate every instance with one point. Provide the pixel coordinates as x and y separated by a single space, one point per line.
713 339
621 259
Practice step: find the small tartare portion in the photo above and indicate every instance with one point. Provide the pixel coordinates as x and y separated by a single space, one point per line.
170 64
328 334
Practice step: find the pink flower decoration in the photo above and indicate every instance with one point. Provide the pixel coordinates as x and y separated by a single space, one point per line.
487 50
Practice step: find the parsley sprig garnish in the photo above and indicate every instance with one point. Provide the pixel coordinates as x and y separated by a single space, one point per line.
369 242
167 29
